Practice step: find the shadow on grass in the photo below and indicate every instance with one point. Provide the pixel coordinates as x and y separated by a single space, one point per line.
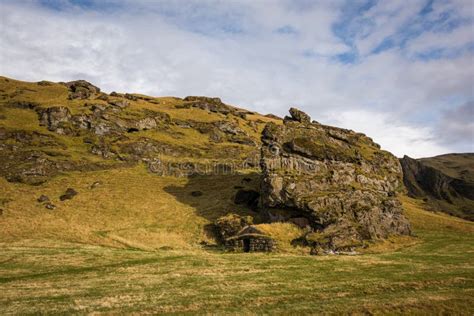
213 196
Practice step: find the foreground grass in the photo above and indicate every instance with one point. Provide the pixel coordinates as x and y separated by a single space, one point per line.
434 276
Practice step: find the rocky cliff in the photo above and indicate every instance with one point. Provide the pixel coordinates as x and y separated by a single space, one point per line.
446 182
337 179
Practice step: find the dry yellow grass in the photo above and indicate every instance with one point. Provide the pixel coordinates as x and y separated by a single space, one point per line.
130 208
283 234
422 219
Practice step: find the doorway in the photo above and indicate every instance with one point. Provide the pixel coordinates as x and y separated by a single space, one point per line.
246 244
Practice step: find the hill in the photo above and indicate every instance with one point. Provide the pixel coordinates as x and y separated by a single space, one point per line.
446 182
109 204
129 170
128 157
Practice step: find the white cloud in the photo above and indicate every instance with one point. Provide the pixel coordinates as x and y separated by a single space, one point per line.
457 126
386 18
231 50
393 135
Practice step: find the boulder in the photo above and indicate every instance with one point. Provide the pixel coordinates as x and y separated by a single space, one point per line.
229 128
146 123
69 194
208 104
121 104
49 206
102 96
299 116
130 97
96 184
43 198
339 180
81 89
27 166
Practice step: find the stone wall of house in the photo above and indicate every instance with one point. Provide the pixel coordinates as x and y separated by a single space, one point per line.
256 244
261 244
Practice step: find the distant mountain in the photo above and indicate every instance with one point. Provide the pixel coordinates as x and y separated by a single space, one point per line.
445 182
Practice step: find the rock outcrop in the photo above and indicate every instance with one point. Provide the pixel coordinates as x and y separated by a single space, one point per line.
445 182
81 89
33 157
338 179
55 118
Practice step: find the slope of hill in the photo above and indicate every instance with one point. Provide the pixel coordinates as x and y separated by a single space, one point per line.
49 128
128 157
446 182
130 170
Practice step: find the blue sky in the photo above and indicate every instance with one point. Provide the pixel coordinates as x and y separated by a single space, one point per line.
400 71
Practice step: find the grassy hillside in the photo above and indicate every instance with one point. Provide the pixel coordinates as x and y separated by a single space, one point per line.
130 207
434 275
105 130
458 166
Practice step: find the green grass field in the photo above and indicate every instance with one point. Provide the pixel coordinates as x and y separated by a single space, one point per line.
433 274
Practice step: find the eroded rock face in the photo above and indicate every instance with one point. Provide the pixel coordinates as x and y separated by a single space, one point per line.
55 118
338 179
103 121
445 182
20 162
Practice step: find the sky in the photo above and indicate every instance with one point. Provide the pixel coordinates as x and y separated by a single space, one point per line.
401 72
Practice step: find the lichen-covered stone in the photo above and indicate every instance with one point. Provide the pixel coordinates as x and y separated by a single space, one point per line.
339 179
